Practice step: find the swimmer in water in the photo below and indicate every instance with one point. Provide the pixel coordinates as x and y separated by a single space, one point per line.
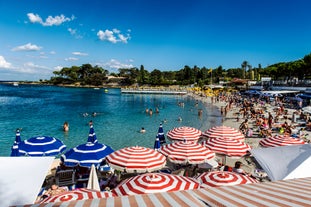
66 126
142 130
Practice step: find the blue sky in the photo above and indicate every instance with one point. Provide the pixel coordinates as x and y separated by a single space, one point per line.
39 37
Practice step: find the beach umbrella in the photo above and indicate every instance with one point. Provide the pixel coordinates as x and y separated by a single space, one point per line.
161 135
224 131
41 146
157 144
154 183
187 152
93 183
15 148
17 137
92 136
184 133
136 159
14 151
77 194
223 178
227 146
280 140
86 154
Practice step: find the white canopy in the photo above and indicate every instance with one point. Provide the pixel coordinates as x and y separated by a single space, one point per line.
285 162
21 178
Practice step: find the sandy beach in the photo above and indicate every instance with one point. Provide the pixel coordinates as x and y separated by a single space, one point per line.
230 120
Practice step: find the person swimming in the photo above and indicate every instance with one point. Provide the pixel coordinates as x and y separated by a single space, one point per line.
142 130
66 126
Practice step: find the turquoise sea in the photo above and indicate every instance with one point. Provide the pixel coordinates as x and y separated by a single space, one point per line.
42 110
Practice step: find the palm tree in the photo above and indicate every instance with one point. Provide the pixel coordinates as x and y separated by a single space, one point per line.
244 66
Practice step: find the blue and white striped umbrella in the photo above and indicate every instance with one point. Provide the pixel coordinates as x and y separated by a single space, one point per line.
157 144
86 154
92 136
15 148
17 137
41 146
161 135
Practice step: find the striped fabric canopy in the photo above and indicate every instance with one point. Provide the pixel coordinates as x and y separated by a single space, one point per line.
295 192
77 194
224 131
92 136
154 183
136 159
227 146
223 178
187 152
41 146
86 154
280 140
184 133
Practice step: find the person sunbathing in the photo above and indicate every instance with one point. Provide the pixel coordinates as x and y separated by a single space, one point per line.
238 169
54 190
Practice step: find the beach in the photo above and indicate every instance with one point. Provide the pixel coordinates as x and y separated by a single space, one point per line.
230 119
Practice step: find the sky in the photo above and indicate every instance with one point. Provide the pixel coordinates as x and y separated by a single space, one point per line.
38 37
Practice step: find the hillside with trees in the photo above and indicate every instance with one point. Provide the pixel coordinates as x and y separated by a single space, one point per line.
98 76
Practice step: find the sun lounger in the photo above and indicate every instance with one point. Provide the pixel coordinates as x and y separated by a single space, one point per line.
65 178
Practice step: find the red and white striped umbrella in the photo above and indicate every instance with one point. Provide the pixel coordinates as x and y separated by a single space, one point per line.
224 131
77 194
184 133
136 159
154 183
280 141
223 178
187 152
227 146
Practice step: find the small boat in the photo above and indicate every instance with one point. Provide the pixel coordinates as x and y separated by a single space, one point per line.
96 88
106 90
15 84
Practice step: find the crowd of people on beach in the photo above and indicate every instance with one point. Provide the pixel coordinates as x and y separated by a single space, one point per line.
254 116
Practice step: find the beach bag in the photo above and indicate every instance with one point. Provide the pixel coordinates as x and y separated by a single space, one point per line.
282 130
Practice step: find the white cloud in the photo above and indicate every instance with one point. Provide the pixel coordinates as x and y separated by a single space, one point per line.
31 66
71 59
34 18
72 31
58 68
113 36
80 54
52 52
116 31
4 63
115 64
27 47
49 21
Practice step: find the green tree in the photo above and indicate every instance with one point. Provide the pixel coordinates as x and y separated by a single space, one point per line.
244 66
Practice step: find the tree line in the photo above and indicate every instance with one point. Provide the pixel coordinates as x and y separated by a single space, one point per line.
97 76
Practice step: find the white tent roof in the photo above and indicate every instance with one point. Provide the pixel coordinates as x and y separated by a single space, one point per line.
21 178
285 162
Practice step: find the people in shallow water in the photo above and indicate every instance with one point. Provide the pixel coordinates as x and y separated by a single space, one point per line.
66 126
179 118
142 130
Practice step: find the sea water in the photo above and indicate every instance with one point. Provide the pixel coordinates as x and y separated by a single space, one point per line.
40 110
